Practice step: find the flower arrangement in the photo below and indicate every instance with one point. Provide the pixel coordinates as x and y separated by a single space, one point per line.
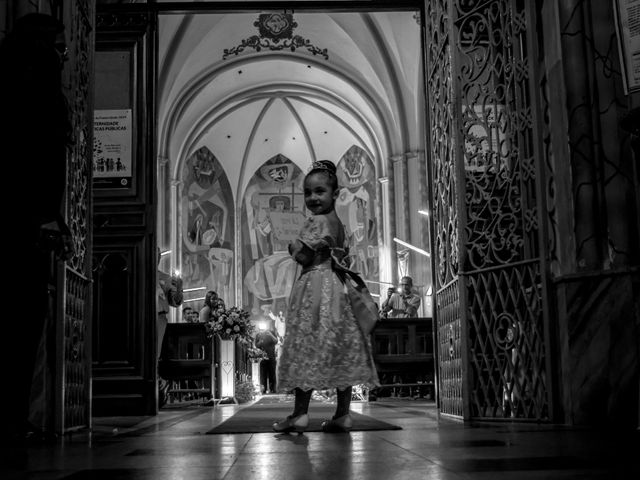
245 391
230 324
256 354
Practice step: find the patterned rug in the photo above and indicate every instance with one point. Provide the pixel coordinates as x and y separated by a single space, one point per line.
260 416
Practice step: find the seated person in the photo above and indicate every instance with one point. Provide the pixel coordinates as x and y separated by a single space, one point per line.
189 315
401 304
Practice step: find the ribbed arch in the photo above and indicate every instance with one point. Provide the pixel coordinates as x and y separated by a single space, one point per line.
192 89
303 94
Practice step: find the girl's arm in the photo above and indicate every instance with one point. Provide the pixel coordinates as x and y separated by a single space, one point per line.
301 253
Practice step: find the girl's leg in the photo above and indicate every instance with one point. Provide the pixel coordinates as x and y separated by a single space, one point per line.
299 420
341 421
302 399
344 402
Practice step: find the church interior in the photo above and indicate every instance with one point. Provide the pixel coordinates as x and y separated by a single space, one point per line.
488 150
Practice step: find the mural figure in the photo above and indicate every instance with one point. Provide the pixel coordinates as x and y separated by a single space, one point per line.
207 225
355 208
272 214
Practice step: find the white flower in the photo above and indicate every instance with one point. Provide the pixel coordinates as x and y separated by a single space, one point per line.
228 331
236 328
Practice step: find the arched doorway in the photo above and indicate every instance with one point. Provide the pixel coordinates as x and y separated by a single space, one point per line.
473 134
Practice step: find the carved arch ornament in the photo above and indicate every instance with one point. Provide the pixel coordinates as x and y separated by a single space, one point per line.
275 32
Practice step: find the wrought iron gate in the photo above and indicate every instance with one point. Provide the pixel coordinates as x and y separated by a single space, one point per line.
489 272
73 338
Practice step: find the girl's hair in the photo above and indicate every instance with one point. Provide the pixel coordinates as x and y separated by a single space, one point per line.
210 298
326 168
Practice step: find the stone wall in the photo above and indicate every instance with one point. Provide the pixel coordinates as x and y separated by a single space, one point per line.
592 207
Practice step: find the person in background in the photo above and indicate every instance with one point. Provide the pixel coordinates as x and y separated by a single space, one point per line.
35 132
169 293
401 304
267 340
211 303
189 315
280 327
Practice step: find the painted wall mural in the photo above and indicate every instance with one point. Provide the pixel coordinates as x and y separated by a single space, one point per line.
208 235
356 208
272 214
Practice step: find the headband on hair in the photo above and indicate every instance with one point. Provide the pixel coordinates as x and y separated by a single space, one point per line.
326 165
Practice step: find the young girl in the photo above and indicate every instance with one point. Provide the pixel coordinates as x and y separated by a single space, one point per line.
323 345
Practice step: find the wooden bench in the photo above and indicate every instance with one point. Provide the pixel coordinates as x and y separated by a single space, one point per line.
395 387
187 362
403 352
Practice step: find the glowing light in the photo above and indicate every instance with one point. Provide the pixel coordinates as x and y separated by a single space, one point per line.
424 212
378 283
166 252
430 290
194 289
412 247
194 299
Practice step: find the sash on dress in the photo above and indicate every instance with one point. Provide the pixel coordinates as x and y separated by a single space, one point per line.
362 304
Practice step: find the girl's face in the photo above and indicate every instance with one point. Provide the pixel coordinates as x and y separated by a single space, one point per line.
319 196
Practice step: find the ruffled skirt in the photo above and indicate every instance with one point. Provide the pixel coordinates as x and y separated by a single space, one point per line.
323 345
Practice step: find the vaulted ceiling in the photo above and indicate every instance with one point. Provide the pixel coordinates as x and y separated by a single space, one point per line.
363 86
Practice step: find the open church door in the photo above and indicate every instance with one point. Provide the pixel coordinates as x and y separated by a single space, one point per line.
490 304
124 196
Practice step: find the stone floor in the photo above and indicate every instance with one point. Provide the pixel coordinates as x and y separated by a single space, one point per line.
173 446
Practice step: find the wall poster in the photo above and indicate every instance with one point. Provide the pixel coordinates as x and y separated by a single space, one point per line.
112 138
627 15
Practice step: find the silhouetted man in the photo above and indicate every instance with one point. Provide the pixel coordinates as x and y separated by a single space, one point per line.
267 340
401 304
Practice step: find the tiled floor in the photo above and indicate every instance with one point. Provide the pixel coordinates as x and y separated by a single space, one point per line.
174 445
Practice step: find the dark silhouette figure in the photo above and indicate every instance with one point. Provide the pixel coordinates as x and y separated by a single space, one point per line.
34 134
267 340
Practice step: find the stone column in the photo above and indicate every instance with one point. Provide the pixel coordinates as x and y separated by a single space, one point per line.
163 205
417 223
401 196
385 237
173 218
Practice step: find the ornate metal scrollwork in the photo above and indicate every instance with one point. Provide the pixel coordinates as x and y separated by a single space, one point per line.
505 331
442 156
275 32
485 191
497 130
77 86
105 20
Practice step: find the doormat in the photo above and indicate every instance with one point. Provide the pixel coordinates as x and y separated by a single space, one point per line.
259 418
